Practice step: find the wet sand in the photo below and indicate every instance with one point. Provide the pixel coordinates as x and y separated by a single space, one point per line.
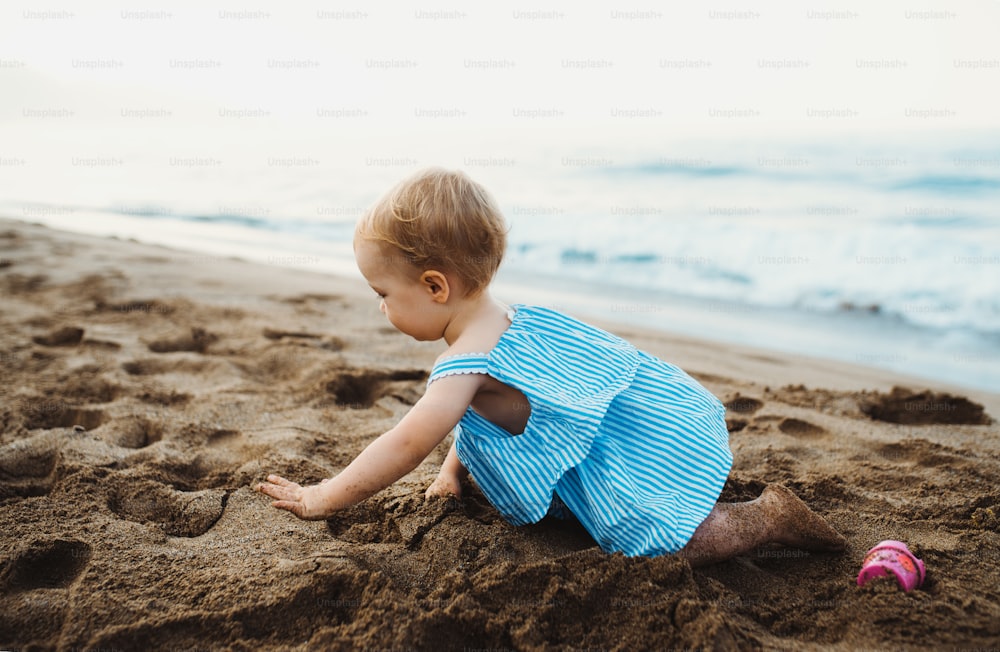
145 391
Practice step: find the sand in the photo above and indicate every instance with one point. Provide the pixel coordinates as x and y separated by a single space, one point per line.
144 392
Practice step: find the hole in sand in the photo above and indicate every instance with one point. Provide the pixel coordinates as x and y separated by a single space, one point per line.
140 367
353 390
177 513
223 437
139 434
47 565
152 366
361 390
743 404
52 413
921 408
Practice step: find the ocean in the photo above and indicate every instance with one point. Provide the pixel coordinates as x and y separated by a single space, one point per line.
875 249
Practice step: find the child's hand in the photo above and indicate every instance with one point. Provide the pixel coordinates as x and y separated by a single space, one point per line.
304 502
445 485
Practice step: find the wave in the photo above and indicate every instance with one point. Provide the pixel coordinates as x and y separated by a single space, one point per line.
876 172
692 168
948 184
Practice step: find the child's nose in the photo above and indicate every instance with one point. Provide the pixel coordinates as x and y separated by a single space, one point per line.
381 306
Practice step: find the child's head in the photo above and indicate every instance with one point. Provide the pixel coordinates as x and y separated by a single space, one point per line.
443 220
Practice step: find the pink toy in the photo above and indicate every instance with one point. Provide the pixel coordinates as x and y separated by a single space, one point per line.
892 557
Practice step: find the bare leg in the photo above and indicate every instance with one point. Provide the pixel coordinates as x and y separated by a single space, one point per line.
777 516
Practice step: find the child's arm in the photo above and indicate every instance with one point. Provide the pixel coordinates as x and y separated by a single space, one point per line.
385 460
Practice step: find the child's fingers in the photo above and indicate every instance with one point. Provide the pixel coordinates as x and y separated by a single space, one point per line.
288 505
278 492
277 479
266 489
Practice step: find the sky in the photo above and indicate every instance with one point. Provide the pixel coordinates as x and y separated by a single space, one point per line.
391 69
106 104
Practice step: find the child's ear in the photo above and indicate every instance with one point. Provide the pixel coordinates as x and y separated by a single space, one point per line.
436 285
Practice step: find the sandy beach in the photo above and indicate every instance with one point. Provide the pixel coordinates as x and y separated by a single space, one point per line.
145 391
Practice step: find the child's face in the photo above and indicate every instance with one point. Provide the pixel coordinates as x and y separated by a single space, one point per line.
404 299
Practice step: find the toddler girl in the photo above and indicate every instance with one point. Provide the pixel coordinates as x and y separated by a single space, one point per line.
551 415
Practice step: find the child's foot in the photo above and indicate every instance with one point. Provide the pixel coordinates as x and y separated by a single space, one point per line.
796 525
444 485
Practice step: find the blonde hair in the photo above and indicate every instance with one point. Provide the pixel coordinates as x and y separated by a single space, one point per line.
441 219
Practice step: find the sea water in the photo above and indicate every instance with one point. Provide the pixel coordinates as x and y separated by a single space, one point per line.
876 250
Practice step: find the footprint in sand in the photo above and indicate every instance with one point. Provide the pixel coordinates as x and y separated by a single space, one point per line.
328 342
88 387
735 425
154 366
923 453
22 284
198 341
800 428
27 467
740 405
164 398
50 564
308 297
66 336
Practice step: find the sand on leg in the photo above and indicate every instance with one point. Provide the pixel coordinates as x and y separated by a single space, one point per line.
776 516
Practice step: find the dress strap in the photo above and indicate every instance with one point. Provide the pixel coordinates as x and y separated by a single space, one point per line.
461 363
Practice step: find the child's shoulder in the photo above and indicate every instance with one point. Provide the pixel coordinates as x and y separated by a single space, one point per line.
461 352
478 338
463 362
468 347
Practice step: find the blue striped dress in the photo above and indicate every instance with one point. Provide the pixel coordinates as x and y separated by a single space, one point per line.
635 448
